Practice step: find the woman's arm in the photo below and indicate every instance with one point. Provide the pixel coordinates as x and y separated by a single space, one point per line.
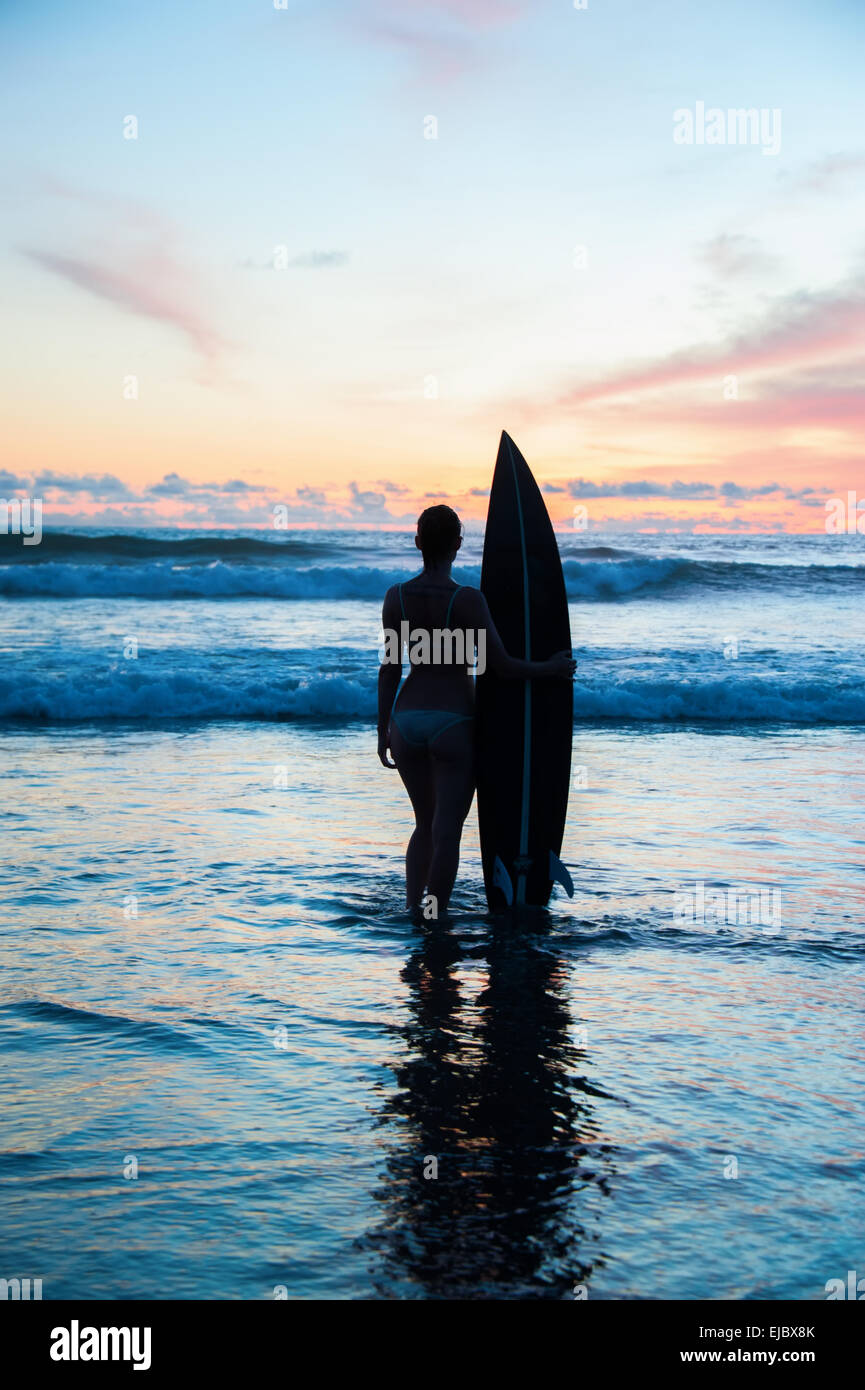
389 672
561 665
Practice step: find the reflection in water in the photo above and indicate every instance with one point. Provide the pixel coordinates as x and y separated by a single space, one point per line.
492 1091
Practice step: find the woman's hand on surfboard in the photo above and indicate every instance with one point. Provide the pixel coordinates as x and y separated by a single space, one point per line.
562 665
383 749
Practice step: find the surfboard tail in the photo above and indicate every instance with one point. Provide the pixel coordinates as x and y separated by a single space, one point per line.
559 874
502 880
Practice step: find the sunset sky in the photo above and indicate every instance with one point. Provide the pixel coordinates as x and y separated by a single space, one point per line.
318 305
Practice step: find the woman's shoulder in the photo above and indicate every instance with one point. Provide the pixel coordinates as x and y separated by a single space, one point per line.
470 597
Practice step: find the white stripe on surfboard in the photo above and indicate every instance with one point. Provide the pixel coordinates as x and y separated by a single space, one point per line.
527 697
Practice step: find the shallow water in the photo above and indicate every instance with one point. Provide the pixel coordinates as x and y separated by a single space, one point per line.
206 968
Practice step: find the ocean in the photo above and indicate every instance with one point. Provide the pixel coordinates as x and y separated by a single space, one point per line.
234 1068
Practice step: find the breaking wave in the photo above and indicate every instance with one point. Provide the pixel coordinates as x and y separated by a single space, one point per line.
192 696
599 580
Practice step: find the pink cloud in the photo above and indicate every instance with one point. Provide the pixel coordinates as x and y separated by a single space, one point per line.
438 34
472 14
781 405
153 285
802 328
841 410
438 56
479 14
132 260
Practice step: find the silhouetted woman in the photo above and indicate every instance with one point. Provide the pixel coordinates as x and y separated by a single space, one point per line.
430 728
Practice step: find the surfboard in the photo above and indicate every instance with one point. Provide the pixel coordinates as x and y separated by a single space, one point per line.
524 727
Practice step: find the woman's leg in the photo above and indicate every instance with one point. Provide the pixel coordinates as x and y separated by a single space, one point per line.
413 765
453 772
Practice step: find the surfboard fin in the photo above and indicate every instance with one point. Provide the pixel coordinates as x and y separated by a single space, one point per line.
559 874
502 879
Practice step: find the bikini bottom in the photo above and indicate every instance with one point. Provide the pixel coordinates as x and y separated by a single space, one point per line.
421 727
